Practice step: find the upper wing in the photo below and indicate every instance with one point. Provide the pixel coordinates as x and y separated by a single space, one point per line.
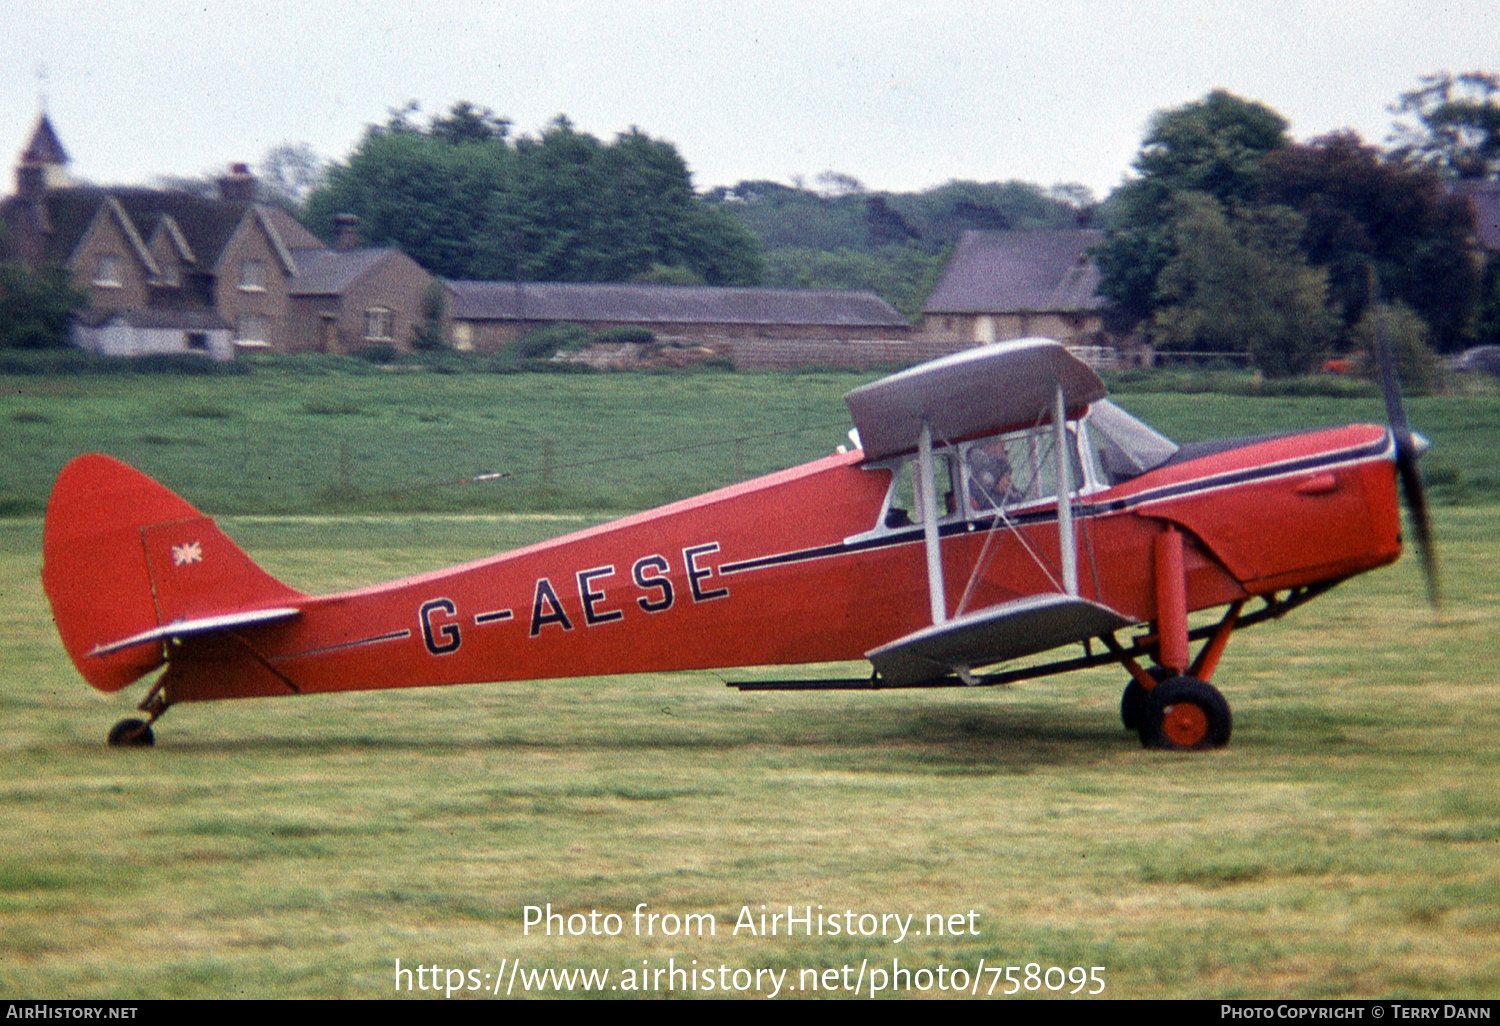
1007 631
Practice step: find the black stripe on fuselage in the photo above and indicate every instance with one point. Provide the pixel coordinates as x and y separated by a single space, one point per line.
1081 510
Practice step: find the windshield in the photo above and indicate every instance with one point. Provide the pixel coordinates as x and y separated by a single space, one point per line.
1124 446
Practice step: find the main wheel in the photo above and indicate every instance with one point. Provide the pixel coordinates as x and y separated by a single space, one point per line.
131 733
1185 714
1133 701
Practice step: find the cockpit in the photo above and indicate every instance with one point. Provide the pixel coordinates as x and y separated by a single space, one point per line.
1014 471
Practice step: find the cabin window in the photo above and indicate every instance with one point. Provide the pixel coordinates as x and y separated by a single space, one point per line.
1121 446
977 478
1017 469
904 504
198 341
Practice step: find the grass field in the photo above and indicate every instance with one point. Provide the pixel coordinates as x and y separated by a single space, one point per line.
1346 843
279 442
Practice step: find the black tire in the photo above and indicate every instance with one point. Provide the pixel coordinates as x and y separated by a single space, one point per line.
131 733
1185 714
1133 701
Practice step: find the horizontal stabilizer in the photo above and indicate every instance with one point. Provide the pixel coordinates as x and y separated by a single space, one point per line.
1007 631
202 625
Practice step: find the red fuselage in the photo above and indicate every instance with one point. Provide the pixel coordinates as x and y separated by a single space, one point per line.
798 567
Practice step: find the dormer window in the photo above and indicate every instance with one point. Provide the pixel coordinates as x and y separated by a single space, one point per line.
107 272
253 276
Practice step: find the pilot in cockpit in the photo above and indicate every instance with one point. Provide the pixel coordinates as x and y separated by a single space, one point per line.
990 484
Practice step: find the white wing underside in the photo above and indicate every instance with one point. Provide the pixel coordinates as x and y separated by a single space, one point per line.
1010 630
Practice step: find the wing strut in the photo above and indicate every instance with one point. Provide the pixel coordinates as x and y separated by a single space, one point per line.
935 591
1065 540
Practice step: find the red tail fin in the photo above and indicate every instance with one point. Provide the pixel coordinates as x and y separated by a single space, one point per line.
121 555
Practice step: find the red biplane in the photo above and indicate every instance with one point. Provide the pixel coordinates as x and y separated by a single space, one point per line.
996 506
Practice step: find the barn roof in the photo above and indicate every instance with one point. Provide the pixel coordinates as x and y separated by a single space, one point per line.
668 304
1020 272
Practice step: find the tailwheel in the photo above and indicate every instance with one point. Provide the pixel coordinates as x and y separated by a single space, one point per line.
1185 714
131 733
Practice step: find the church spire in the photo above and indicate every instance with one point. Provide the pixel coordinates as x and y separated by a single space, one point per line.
45 150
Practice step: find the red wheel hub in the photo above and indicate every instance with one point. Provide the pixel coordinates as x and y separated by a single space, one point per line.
1184 725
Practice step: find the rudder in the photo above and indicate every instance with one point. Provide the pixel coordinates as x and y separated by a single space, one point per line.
122 554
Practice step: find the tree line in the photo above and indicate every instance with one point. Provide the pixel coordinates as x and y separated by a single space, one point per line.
1229 237
467 200
1233 237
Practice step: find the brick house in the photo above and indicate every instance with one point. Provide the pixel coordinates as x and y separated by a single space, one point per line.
182 257
1002 285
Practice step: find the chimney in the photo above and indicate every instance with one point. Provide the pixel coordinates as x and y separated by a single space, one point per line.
238 186
346 228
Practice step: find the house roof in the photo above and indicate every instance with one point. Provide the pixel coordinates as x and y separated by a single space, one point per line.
204 225
668 304
1484 198
1020 272
328 272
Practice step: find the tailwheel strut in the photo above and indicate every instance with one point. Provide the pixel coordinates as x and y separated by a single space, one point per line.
133 732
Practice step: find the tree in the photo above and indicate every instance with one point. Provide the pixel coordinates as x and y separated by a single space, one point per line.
290 172
36 306
423 194
1452 123
466 123
466 200
1214 147
1238 281
1363 209
1409 337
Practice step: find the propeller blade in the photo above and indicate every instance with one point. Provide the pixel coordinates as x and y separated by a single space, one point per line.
1408 450
1416 505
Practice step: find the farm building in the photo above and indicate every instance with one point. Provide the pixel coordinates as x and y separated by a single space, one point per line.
487 314
1018 284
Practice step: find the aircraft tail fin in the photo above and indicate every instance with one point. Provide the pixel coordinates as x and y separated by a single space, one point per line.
123 558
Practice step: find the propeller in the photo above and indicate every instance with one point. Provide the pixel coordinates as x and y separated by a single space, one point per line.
1409 448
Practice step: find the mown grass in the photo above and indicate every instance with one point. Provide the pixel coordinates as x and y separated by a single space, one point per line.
1346 843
